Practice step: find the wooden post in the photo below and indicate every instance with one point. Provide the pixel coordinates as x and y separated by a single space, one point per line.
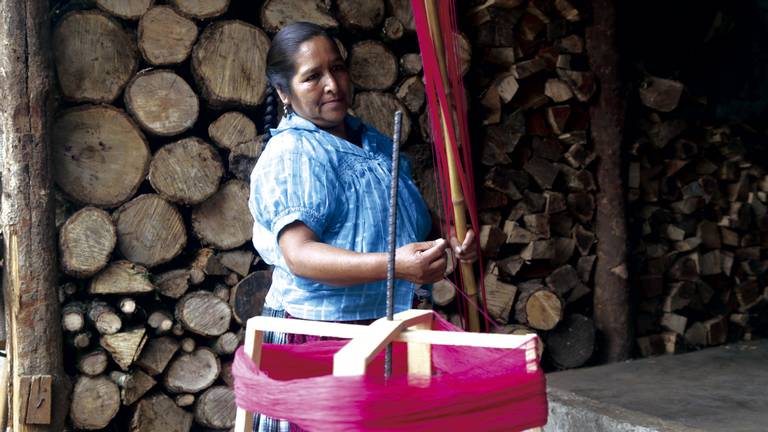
34 330
611 295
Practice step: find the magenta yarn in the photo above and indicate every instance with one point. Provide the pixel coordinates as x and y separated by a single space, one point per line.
472 389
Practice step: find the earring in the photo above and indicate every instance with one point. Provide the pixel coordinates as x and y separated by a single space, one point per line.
286 109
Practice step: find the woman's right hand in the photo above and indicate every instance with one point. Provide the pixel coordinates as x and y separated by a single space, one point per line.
421 262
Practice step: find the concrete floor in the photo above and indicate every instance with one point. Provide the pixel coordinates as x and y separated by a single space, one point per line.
717 389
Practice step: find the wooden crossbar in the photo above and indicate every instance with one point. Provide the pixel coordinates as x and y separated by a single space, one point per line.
411 326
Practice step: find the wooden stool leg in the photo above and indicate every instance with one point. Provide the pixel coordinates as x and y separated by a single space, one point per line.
253 343
420 357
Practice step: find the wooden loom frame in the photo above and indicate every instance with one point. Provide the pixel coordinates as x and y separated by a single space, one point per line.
411 326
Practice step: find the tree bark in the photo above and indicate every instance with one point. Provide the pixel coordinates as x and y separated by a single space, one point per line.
32 306
611 295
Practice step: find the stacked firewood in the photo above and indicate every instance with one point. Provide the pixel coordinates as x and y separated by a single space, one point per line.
698 191
530 85
158 128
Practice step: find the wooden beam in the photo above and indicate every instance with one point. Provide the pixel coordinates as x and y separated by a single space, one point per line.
611 299
32 306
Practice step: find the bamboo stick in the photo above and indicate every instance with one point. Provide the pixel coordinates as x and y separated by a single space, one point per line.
457 194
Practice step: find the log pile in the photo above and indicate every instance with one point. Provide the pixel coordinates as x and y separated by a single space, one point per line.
158 127
698 191
530 86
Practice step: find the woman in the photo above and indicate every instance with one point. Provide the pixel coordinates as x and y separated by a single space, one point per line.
320 199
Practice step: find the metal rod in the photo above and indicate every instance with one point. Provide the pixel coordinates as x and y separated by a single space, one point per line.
392 235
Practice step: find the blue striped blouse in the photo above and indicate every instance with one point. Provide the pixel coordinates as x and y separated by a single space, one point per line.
341 192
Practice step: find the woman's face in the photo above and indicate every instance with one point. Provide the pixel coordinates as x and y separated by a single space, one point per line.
320 88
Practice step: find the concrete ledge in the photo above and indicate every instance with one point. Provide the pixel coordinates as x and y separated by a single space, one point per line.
570 412
716 389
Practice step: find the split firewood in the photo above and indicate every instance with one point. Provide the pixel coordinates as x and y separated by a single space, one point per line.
162 102
231 279
85 141
173 283
356 15
238 261
572 343
392 30
192 372
197 269
203 313
582 205
133 386
223 220
104 318
376 108
165 37
82 340
543 171
226 344
402 10
538 224
539 250
680 295
748 294
411 93
527 68
78 39
86 242
161 321
95 402
223 292
276 14
124 347
490 104
201 9
582 84
572 44
716 330
496 26
158 413
537 307
236 133
121 277
660 94
517 234
506 87
125 9
491 239
93 363
563 280
184 400
557 90
66 291
73 316
443 292
150 230
127 306
500 296
156 354
215 408
410 64
372 66
247 297
186 171
674 322
242 80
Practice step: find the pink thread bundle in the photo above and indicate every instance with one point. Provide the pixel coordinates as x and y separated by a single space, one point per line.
471 389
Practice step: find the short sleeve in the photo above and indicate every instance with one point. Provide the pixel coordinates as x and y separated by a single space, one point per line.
293 187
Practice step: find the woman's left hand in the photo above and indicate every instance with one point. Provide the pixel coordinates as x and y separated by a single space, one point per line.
466 251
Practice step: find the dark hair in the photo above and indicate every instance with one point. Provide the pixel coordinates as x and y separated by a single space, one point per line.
280 62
